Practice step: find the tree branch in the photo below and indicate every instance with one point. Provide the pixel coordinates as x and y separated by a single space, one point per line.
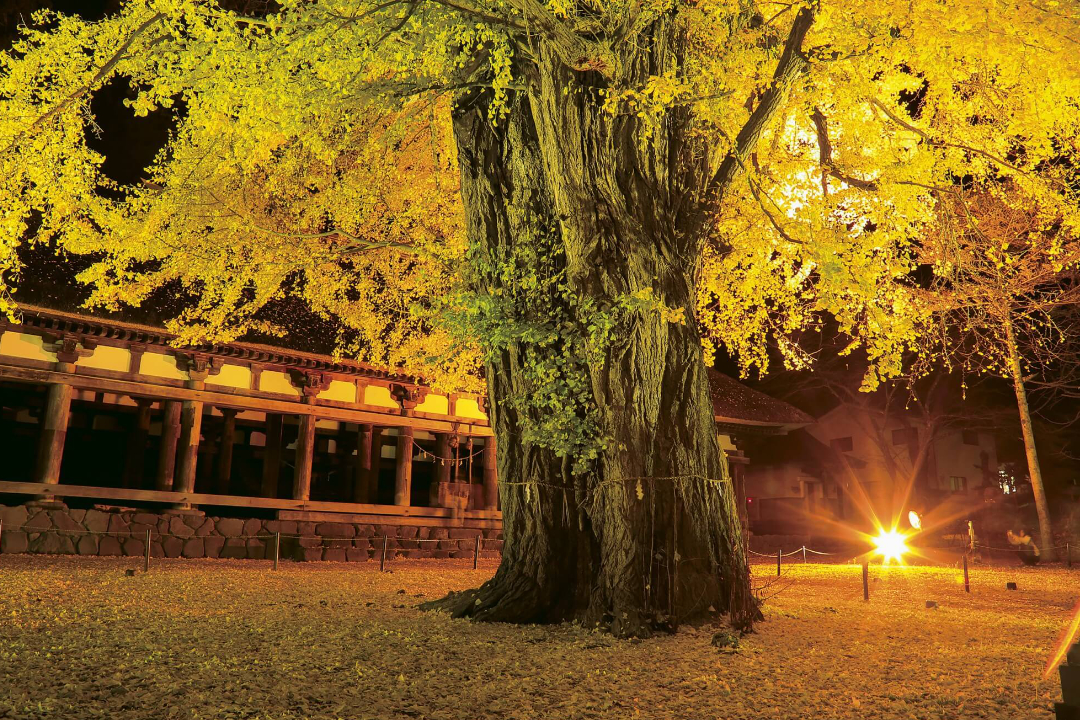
575 51
791 65
101 74
941 143
821 126
479 14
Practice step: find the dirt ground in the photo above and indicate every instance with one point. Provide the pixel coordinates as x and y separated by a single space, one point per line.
79 638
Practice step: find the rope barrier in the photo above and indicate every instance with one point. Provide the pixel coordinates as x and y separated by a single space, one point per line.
980 546
788 554
480 541
456 461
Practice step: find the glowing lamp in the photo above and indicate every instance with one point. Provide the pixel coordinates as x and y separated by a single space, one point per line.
915 520
890 545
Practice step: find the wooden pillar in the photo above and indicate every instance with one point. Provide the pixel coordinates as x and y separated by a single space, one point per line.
170 435
403 476
362 470
271 456
343 464
204 464
376 464
443 463
491 476
737 468
53 432
461 472
443 450
135 462
225 452
305 452
187 451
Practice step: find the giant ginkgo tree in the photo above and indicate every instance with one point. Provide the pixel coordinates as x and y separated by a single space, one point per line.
566 199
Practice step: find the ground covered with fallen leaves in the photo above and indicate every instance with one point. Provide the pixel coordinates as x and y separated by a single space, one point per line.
80 638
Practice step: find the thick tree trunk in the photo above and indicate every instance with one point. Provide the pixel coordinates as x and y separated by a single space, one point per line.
663 507
547 556
650 535
1042 508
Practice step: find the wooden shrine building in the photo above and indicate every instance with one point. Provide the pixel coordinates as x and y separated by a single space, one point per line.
102 412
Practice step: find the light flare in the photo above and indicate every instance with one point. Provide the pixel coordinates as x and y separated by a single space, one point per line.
914 519
891 544
1071 631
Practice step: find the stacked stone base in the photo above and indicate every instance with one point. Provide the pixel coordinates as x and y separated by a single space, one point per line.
56 531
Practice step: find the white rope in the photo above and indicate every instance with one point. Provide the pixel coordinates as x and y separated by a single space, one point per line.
456 461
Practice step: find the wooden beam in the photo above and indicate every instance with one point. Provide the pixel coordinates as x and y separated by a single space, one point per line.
491 476
135 461
362 476
376 465
443 453
442 470
240 402
158 496
463 471
412 521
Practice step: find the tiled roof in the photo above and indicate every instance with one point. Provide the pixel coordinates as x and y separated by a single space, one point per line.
735 403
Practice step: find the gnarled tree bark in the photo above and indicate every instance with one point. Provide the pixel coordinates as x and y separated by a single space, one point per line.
650 535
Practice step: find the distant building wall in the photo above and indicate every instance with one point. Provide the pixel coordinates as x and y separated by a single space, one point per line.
784 494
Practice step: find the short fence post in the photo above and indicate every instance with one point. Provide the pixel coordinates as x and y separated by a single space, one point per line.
866 580
779 554
476 553
967 585
146 561
277 548
804 554
382 560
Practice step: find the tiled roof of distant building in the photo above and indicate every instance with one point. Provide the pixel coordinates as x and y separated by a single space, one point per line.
738 404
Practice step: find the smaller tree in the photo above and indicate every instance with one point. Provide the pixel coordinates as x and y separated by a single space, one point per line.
1004 271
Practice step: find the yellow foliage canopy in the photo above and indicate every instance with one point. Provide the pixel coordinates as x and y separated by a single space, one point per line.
312 153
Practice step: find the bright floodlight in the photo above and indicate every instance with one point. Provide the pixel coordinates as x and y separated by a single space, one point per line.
914 519
890 545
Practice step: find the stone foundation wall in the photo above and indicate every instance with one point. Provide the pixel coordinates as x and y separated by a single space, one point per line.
123 532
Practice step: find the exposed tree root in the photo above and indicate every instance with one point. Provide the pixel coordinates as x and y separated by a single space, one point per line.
508 597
